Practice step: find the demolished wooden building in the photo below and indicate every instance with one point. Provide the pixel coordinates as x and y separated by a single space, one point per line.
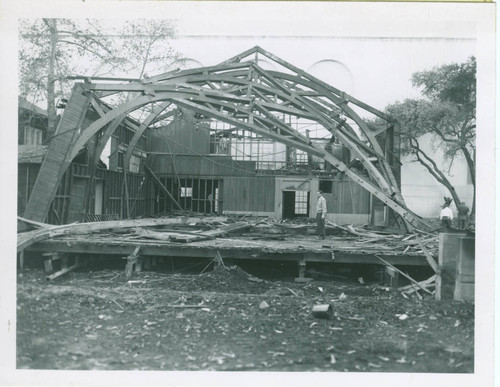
228 139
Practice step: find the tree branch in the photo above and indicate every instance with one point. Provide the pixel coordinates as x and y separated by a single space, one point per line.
433 169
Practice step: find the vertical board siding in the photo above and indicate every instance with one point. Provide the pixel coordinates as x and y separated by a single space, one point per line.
26 176
183 135
249 194
347 197
200 166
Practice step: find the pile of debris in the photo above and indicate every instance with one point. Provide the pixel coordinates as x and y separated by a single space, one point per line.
230 278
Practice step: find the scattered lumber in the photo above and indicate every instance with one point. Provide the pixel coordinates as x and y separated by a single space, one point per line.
429 282
403 274
238 226
185 306
27 239
428 256
364 234
33 222
166 235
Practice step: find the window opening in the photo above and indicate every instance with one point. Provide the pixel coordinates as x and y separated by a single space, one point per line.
301 202
326 186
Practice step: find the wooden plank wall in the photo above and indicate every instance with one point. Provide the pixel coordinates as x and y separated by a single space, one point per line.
183 135
68 203
192 165
249 194
114 194
26 176
347 197
197 200
60 206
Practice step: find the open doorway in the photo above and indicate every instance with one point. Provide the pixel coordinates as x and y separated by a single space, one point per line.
295 204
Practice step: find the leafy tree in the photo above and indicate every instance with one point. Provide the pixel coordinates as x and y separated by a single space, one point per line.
447 114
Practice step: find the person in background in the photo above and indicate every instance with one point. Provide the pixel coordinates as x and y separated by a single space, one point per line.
463 215
321 215
446 217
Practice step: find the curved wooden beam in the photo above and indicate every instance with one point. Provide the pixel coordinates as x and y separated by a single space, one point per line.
125 108
106 135
246 96
138 134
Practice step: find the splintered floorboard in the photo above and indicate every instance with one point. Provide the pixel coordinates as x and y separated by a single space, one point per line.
294 248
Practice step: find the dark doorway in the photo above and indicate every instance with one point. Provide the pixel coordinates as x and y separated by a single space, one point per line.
295 204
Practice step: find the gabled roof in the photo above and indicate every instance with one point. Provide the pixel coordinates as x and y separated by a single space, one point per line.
25 104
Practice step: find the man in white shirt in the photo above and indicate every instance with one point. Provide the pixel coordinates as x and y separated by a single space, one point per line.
446 217
321 215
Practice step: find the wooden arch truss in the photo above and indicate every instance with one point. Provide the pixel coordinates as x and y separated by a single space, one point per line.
240 93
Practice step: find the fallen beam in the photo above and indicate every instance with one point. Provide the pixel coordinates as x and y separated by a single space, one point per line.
63 271
404 275
163 188
428 256
27 239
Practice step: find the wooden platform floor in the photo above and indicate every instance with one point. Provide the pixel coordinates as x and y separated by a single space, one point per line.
333 249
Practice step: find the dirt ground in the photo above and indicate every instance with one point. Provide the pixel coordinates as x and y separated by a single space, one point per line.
228 320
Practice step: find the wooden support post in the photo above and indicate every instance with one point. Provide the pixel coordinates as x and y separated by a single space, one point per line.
21 260
446 275
392 277
132 260
49 259
138 265
309 158
129 267
302 272
48 266
64 261
127 201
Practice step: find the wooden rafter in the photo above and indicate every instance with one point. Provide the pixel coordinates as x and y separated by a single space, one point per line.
244 95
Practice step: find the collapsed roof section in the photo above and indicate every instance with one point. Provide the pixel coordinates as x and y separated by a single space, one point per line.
238 92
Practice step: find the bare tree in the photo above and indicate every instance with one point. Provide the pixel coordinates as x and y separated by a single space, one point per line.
53 49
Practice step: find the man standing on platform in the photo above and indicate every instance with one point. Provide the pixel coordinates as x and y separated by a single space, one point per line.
446 217
463 215
321 215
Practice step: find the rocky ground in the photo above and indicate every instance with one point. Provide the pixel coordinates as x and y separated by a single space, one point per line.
228 320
